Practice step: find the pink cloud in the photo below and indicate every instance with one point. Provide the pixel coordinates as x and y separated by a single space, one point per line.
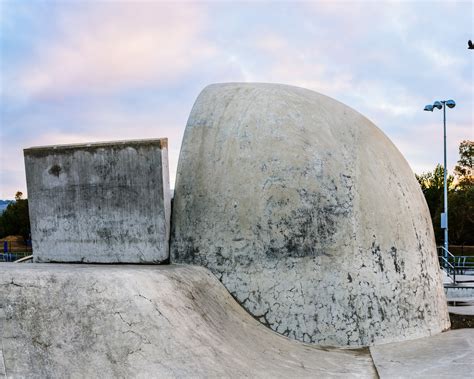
100 122
113 46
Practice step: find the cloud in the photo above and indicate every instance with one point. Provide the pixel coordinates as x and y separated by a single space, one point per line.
440 59
91 71
289 63
308 67
390 84
116 46
422 146
107 120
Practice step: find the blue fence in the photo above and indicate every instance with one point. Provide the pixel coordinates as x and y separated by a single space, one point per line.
12 250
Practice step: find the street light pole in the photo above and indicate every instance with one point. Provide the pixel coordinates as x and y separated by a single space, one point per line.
444 216
445 184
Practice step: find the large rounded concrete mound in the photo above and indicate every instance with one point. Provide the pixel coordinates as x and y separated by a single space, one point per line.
309 216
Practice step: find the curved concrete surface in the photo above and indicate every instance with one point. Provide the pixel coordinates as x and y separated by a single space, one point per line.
60 321
309 216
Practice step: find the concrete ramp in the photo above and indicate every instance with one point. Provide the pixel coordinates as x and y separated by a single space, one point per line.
145 321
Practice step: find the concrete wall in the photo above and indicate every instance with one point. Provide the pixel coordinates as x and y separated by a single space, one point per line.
309 215
101 202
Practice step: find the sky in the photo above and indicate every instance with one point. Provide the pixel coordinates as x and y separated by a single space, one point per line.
85 71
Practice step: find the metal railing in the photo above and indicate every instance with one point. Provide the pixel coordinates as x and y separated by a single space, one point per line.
15 246
13 256
11 251
444 262
454 264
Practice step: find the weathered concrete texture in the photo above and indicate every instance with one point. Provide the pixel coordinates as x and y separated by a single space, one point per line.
309 216
102 202
447 355
84 321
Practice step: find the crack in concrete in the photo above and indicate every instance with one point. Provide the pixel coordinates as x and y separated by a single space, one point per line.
155 307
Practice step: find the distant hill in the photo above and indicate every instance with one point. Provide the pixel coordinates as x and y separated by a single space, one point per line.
4 204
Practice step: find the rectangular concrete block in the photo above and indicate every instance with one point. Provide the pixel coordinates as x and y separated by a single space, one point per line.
100 202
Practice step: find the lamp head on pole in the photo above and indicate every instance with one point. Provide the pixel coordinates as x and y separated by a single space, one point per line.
428 108
438 105
450 103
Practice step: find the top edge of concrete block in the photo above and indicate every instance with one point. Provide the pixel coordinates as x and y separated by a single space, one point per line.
162 143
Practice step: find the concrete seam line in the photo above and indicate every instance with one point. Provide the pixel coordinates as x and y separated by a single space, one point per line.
373 362
3 368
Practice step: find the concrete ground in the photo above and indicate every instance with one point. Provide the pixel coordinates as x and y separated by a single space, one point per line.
461 306
464 287
446 355
460 300
176 321
462 279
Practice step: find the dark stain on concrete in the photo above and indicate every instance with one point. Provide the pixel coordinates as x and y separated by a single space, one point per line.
55 170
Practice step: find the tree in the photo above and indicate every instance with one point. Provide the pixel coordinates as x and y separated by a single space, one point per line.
432 185
461 200
15 219
461 216
460 197
464 170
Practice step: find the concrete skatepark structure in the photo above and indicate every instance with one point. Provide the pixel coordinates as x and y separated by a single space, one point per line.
309 216
181 320
105 202
177 321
